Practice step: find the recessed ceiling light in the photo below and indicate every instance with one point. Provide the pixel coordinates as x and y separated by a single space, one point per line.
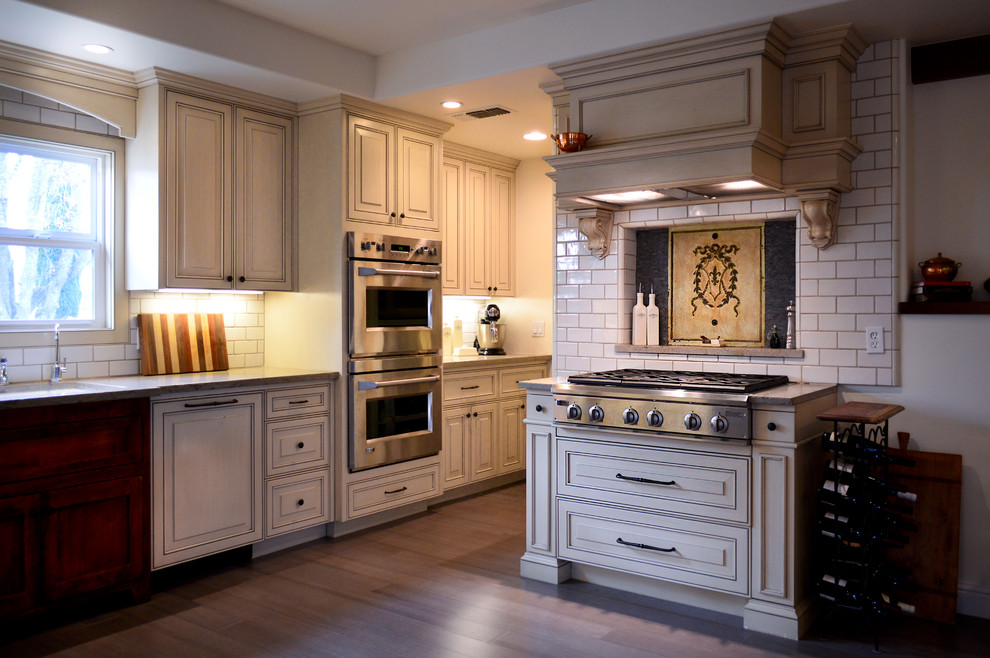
452 105
743 185
535 136
97 48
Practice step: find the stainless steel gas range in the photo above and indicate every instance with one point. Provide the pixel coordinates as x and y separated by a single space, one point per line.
685 404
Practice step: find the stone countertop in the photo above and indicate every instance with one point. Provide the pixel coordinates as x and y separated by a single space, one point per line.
115 388
475 360
545 384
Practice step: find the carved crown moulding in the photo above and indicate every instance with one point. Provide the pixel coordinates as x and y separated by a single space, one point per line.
752 103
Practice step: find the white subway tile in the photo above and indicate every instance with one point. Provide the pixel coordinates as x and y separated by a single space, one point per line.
854 305
818 305
879 286
820 374
858 376
821 270
837 358
837 322
818 339
124 368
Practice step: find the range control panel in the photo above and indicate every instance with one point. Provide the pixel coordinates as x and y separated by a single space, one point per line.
687 417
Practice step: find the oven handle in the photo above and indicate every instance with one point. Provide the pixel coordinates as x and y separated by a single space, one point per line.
372 271
367 386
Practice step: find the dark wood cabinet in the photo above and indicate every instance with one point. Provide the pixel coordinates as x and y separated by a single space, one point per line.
74 503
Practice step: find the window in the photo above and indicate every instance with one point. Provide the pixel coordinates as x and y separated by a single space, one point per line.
55 223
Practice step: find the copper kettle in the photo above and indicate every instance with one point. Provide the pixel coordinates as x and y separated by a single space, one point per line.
939 268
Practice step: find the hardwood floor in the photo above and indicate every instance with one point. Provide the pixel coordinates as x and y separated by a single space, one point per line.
445 583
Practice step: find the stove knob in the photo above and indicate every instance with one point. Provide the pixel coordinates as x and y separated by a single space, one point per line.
654 418
719 424
596 414
692 421
573 412
630 416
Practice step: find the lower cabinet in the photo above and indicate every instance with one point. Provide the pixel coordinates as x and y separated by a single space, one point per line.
73 504
469 448
208 475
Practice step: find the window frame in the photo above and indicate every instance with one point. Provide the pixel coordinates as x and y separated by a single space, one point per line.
114 316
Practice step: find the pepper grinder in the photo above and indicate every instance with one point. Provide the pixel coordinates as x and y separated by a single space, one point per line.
789 341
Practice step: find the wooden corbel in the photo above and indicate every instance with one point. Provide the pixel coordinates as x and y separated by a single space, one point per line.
596 225
820 209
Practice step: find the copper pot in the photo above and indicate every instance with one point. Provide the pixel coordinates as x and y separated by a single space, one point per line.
570 142
939 268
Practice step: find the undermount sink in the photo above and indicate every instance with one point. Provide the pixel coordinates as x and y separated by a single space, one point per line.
48 390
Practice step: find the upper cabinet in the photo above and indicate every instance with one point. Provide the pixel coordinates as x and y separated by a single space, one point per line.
392 174
479 222
210 192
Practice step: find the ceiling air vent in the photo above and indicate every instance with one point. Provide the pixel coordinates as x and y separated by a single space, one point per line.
482 113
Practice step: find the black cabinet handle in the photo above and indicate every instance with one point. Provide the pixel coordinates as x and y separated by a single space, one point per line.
467 415
395 491
646 546
538 407
298 401
469 388
643 480
392 215
771 426
300 501
241 279
402 215
214 403
300 445
475 414
522 406
229 278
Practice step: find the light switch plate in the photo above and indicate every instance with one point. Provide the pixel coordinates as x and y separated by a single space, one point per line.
874 340
539 328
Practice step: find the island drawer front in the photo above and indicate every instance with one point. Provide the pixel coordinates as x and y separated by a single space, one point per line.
296 444
382 493
284 402
704 554
708 486
297 501
469 386
509 378
539 407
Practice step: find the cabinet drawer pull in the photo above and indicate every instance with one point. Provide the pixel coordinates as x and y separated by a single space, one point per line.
643 480
213 403
298 401
300 445
646 546
538 408
468 388
395 491
771 426
300 502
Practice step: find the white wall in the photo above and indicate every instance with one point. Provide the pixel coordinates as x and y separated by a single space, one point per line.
945 360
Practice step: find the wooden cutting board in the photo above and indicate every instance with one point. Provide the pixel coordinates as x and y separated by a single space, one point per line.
181 342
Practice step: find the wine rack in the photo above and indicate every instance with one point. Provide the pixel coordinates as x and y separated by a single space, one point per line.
861 514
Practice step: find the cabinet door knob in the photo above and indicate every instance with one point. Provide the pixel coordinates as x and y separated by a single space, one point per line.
475 414
467 415
241 279
229 278
392 215
771 426
538 408
300 502
300 445
522 406
402 215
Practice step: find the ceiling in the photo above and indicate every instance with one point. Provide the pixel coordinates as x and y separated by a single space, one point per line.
413 55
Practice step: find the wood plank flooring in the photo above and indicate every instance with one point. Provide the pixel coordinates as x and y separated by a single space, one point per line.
445 583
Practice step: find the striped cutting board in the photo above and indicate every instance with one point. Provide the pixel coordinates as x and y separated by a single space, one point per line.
181 342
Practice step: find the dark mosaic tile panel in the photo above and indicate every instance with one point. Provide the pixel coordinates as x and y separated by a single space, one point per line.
652 270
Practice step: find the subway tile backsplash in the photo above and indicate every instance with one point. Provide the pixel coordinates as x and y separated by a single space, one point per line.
839 290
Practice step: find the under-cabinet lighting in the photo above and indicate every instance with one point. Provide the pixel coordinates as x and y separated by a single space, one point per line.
635 196
742 185
97 48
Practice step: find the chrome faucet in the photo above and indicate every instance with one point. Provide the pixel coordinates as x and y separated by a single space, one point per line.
3 371
57 369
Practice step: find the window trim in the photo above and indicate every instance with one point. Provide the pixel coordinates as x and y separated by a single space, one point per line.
118 330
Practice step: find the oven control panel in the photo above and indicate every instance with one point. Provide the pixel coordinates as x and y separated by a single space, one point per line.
375 246
684 417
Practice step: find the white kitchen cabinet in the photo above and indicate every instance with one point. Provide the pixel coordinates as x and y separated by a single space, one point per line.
479 222
210 193
392 174
207 475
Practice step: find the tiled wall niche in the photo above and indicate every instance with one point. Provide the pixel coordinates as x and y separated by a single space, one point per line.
840 290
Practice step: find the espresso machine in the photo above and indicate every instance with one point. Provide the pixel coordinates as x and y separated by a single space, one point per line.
491 334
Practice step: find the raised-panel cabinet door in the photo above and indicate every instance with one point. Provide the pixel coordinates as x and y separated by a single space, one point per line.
263 205
418 187
94 536
208 479
476 231
512 447
503 228
484 449
456 450
199 193
452 194
370 171
19 547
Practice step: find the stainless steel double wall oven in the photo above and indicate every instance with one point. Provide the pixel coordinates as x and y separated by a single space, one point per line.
394 340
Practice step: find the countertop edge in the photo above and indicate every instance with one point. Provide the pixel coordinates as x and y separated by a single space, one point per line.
451 363
792 394
545 384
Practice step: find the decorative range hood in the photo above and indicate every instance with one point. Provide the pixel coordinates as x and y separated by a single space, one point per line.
747 111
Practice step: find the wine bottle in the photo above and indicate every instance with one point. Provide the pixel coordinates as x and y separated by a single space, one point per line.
875 518
839 527
864 450
875 486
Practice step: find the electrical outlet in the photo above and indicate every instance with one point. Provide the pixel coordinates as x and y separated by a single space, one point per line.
874 340
539 328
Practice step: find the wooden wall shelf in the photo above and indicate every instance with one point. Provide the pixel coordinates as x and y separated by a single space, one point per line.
943 308
711 351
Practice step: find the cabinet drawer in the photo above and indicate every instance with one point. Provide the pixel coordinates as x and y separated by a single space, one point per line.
539 407
382 493
469 386
297 443
297 501
690 552
709 486
296 401
509 378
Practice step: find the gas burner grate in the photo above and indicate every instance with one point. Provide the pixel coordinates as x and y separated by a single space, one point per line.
679 379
